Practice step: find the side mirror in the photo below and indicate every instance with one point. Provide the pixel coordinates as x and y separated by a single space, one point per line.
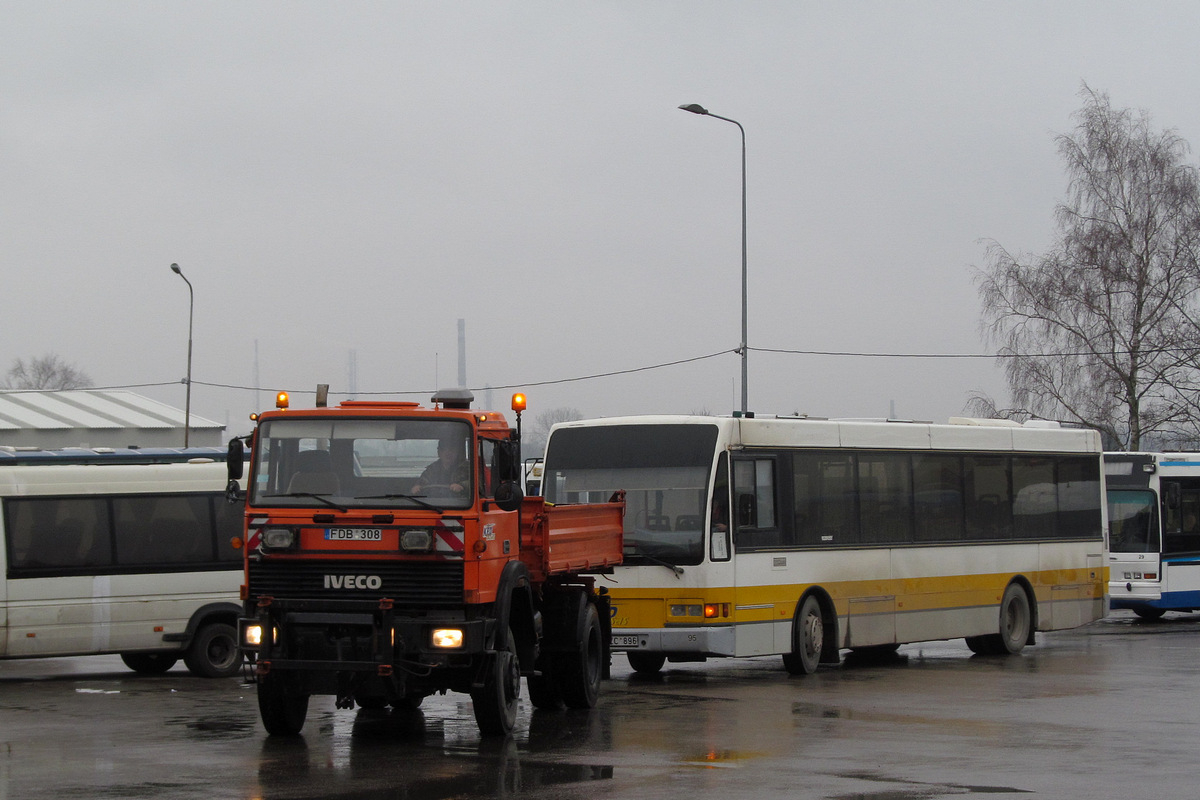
233 492
235 460
508 496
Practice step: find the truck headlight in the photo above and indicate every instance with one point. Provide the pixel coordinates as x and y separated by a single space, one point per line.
448 638
278 539
416 540
252 636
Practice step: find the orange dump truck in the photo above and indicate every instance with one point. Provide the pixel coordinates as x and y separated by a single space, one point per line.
390 555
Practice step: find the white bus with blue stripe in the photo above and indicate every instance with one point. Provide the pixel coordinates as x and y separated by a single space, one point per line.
1154 532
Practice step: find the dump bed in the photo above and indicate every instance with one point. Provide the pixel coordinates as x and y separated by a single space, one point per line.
575 538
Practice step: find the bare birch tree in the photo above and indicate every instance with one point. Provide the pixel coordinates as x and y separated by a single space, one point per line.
47 372
1100 330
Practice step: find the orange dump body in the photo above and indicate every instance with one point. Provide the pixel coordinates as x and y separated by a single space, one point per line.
564 539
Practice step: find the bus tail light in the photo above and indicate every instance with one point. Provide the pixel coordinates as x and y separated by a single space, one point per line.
716 610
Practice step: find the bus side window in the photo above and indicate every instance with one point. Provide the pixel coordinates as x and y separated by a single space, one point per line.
754 496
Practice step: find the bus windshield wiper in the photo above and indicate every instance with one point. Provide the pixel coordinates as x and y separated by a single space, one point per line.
321 497
414 497
678 570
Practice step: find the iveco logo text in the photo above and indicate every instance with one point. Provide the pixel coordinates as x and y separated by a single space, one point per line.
353 582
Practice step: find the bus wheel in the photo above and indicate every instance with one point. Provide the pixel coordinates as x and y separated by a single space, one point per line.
282 710
646 663
149 663
214 652
1149 613
808 639
1015 622
495 704
578 673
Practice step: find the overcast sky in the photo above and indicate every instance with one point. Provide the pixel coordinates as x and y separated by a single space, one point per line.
342 182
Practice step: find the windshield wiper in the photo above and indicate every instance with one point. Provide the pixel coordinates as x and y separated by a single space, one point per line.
678 570
416 498
321 497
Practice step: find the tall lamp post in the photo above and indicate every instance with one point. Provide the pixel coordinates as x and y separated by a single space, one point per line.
699 109
187 407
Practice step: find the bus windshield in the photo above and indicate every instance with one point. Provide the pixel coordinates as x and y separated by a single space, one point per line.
664 470
1132 522
358 463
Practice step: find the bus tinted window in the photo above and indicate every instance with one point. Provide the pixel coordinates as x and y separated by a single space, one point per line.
824 503
885 497
1132 522
49 533
938 497
988 492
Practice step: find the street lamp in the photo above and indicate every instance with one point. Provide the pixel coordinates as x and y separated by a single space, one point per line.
695 108
187 408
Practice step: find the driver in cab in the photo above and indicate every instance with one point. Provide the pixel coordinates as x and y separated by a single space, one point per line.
450 472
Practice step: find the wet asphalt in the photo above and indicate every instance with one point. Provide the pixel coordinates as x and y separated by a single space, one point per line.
1104 711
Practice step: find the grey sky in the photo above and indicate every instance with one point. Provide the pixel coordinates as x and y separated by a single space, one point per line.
357 176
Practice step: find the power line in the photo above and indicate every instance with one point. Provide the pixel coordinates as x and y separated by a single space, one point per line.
629 371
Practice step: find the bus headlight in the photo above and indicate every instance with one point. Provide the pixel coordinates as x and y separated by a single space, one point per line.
278 539
448 638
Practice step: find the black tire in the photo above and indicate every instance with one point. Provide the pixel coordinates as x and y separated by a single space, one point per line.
1014 626
410 702
543 687
281 707
495 704
1150 613
149 663
371 702
646 663
808 639
214 652
578 674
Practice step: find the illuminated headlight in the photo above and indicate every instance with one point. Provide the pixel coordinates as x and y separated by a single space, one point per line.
252 636
448 638
417 540
278 538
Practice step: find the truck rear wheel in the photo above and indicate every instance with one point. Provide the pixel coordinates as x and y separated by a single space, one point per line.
578 673
282 709
495 704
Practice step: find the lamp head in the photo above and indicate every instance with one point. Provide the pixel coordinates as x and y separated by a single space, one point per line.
175 268
695 108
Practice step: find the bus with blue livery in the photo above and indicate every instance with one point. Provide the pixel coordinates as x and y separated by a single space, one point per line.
1154 532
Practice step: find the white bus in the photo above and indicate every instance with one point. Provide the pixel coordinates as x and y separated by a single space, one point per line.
843 534
133 559
1154 532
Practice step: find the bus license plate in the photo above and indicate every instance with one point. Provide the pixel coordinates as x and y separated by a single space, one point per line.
625 641
354 534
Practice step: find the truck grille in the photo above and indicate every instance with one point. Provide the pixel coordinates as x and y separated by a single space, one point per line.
425 583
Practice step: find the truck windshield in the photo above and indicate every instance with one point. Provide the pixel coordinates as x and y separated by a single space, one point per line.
363 463
664 469
1132 522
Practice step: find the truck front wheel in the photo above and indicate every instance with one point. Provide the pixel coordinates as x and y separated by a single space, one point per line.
495 703
282 709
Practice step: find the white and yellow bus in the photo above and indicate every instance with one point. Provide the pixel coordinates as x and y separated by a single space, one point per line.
804 537
132 559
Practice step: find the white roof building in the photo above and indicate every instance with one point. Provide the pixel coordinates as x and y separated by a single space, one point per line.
98 418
